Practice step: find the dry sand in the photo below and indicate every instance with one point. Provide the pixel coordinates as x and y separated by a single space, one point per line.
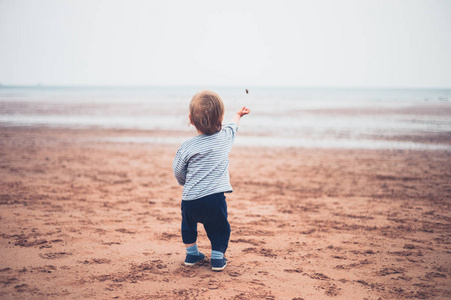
86 218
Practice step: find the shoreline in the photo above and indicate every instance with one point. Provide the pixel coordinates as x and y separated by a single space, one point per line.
427 141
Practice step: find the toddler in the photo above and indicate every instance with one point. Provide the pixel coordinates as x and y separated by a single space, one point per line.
201 166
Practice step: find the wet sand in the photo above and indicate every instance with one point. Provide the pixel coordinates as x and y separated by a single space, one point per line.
82 217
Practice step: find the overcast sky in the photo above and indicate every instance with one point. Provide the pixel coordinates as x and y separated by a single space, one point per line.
247 43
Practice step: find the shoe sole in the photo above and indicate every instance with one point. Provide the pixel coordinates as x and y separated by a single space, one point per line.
192 264
219 269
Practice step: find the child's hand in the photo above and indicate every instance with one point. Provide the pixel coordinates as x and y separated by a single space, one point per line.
243 111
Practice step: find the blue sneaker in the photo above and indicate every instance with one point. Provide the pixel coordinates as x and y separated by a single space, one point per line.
191 260
218 264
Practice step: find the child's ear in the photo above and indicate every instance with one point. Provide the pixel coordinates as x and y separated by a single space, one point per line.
190 122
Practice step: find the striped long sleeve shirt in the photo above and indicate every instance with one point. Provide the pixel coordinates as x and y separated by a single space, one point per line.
201 164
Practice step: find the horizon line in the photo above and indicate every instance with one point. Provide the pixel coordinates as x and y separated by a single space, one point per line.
221 86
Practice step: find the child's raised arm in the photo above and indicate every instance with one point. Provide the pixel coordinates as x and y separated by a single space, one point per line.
236 118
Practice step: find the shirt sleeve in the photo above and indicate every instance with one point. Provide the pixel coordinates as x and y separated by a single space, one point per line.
179 166
230 130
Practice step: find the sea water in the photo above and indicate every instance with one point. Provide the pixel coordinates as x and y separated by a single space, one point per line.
280 116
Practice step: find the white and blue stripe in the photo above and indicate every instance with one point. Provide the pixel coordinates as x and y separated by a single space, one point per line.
201 164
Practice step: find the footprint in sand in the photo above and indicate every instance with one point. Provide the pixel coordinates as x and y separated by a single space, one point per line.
332 290
257 282
123 230
389 271
45 269
299 270
213 285
55 255
5 270
234 273
263 252
111 243
188 272
96 261
26 243
168 236
319 276
249 241
21 288
8 280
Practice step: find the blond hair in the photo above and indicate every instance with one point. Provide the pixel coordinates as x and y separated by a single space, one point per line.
206 112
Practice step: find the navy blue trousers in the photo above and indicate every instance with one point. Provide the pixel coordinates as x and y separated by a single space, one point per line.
211 211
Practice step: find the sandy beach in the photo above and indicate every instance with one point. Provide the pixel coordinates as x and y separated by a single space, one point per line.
83 217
